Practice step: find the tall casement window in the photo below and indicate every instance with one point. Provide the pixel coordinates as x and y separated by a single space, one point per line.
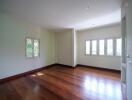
36 48
29 48
87 47
118 46
94 47
32 48
101 47
110 47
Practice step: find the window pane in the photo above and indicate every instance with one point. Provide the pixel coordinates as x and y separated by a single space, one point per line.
101 47
36 48
118 47
94 47
87 47
109 47
29 48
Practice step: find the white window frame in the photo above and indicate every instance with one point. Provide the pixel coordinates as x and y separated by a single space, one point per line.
99 47
105 46
32 39
26 48
116 47
89 48
96 47
39 48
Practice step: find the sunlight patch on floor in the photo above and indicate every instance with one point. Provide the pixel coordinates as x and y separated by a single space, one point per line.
37 74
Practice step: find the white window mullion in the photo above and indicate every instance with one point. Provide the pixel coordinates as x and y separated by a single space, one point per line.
114 47
105 46
90 47
97 47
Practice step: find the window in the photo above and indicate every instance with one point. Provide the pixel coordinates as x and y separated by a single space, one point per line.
36 48
29 48
118 47
94 47
101 47
32 48
110 47
88 47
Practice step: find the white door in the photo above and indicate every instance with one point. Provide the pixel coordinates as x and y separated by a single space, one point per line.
124 49
129 50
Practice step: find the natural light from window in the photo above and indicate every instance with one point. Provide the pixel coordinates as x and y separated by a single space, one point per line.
88 47
118 47
94 47
29 48
36 48
32 48
101 47
110 47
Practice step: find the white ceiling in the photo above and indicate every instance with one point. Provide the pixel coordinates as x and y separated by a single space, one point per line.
61 14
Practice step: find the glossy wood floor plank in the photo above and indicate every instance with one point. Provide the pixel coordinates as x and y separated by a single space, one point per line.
62 83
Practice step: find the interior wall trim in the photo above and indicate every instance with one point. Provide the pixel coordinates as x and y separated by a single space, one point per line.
49 66
4 80
99 68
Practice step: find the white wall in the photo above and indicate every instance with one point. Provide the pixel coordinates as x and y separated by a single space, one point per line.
110 62
64 47
12 46
74 48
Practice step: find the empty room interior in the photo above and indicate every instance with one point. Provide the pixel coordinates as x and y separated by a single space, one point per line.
65 49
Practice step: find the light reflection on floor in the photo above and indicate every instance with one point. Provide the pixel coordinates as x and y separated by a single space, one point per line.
102 88
37 74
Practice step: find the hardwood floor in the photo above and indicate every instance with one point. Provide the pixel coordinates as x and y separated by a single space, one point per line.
62 83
